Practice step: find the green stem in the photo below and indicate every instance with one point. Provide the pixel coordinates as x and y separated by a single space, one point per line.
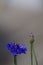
31 54
15 61
35 56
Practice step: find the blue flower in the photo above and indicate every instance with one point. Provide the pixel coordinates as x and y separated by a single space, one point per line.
16 49
23 48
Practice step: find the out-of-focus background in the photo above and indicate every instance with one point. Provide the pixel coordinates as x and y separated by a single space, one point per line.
17 19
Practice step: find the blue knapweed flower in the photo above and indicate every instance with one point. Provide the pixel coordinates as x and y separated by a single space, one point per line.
16 49
23 48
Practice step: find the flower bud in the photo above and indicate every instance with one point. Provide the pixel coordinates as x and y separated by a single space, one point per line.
31 39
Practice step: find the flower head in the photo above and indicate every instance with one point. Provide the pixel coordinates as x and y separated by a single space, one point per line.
16 49
31 37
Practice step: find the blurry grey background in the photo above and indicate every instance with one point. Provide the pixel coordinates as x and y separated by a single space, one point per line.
17 19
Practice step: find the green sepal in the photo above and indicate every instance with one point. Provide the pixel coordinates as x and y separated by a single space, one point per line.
31 40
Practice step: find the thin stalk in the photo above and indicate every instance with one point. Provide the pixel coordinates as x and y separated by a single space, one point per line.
31 54
35 56
15 60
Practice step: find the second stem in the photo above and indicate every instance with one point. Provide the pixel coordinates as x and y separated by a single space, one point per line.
31 54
